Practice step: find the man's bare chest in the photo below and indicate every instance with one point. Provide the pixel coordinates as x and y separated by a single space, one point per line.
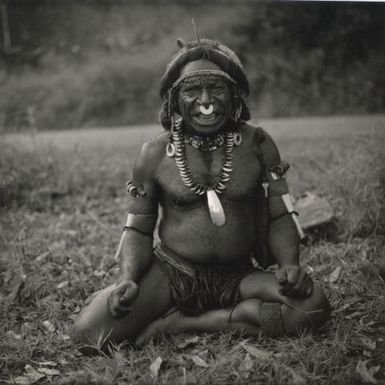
206 169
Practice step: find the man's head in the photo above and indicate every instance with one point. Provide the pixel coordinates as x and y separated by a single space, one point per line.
204 83
204 97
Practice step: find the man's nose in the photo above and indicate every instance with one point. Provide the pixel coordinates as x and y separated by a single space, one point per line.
205 97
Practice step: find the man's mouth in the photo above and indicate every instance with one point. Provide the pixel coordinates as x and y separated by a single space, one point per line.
206 120
207 115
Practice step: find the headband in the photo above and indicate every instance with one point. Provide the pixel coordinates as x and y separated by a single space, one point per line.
207 72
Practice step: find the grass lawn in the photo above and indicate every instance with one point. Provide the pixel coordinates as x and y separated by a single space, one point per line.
62 202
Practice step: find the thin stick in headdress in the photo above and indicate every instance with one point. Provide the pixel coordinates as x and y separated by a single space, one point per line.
195 31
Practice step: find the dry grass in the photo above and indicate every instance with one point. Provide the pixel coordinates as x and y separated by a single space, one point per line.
62 205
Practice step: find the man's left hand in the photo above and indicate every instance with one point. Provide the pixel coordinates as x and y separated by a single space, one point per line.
294 281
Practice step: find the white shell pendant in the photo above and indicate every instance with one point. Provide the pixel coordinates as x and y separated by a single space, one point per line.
217 213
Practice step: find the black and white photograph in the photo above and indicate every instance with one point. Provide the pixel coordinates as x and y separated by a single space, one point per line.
192 192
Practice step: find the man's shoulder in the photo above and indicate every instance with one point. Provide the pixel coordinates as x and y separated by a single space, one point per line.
262 141
255 133
155 148
151 155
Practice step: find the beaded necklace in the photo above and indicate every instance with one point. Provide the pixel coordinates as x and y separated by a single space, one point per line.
176 149
203 144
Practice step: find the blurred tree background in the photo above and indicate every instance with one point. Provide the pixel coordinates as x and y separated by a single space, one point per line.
68 64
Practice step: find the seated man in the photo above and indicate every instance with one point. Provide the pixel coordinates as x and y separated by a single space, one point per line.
219 183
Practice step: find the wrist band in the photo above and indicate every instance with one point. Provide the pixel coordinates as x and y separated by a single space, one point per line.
127 228
284 214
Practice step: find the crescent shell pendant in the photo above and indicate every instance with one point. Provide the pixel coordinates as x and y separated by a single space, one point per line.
217 213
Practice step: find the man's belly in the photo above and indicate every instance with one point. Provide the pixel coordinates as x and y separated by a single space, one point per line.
192 235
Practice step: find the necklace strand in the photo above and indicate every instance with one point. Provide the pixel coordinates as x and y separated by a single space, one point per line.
184 169
203 144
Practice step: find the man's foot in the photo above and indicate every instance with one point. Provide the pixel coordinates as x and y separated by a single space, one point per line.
170 322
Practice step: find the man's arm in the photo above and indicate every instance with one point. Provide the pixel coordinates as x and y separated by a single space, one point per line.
137 248
283 238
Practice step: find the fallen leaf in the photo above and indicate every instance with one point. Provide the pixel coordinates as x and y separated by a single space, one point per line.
49 372
257 353
99 274
29 326
248 362
65 337
155 367
246 366
297 378
374 369
62 285
63 361
30 377
23 380
198 361
45 363
349 302
188 342
14 335
335 274
355 314
49 326
365 373
177 362
17 288
368 344
40 257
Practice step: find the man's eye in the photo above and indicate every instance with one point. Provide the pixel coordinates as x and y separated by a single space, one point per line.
218 87
191 89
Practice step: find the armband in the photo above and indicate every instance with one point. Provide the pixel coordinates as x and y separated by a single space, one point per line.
279 169
278 187
143 223
277 182
134 190
284 214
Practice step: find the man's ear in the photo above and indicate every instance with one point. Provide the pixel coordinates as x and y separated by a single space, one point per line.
174 103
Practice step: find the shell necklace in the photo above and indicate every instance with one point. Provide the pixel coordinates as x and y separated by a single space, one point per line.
176 149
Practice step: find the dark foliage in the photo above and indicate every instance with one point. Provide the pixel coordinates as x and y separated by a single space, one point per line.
93 63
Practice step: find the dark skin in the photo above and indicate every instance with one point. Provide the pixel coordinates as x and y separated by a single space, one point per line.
131 309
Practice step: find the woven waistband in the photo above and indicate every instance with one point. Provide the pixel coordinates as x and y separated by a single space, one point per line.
167 255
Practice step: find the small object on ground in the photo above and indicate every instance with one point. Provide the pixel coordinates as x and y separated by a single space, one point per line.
187 342
49 371
155 367
49 326
29 377
366 373
257 353
313 210
335 274
198 361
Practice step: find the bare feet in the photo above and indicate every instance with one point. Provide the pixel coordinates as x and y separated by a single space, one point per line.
170 322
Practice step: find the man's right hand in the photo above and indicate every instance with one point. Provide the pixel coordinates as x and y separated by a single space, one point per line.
122 297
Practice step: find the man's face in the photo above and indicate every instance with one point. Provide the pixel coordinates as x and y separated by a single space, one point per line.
205 103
